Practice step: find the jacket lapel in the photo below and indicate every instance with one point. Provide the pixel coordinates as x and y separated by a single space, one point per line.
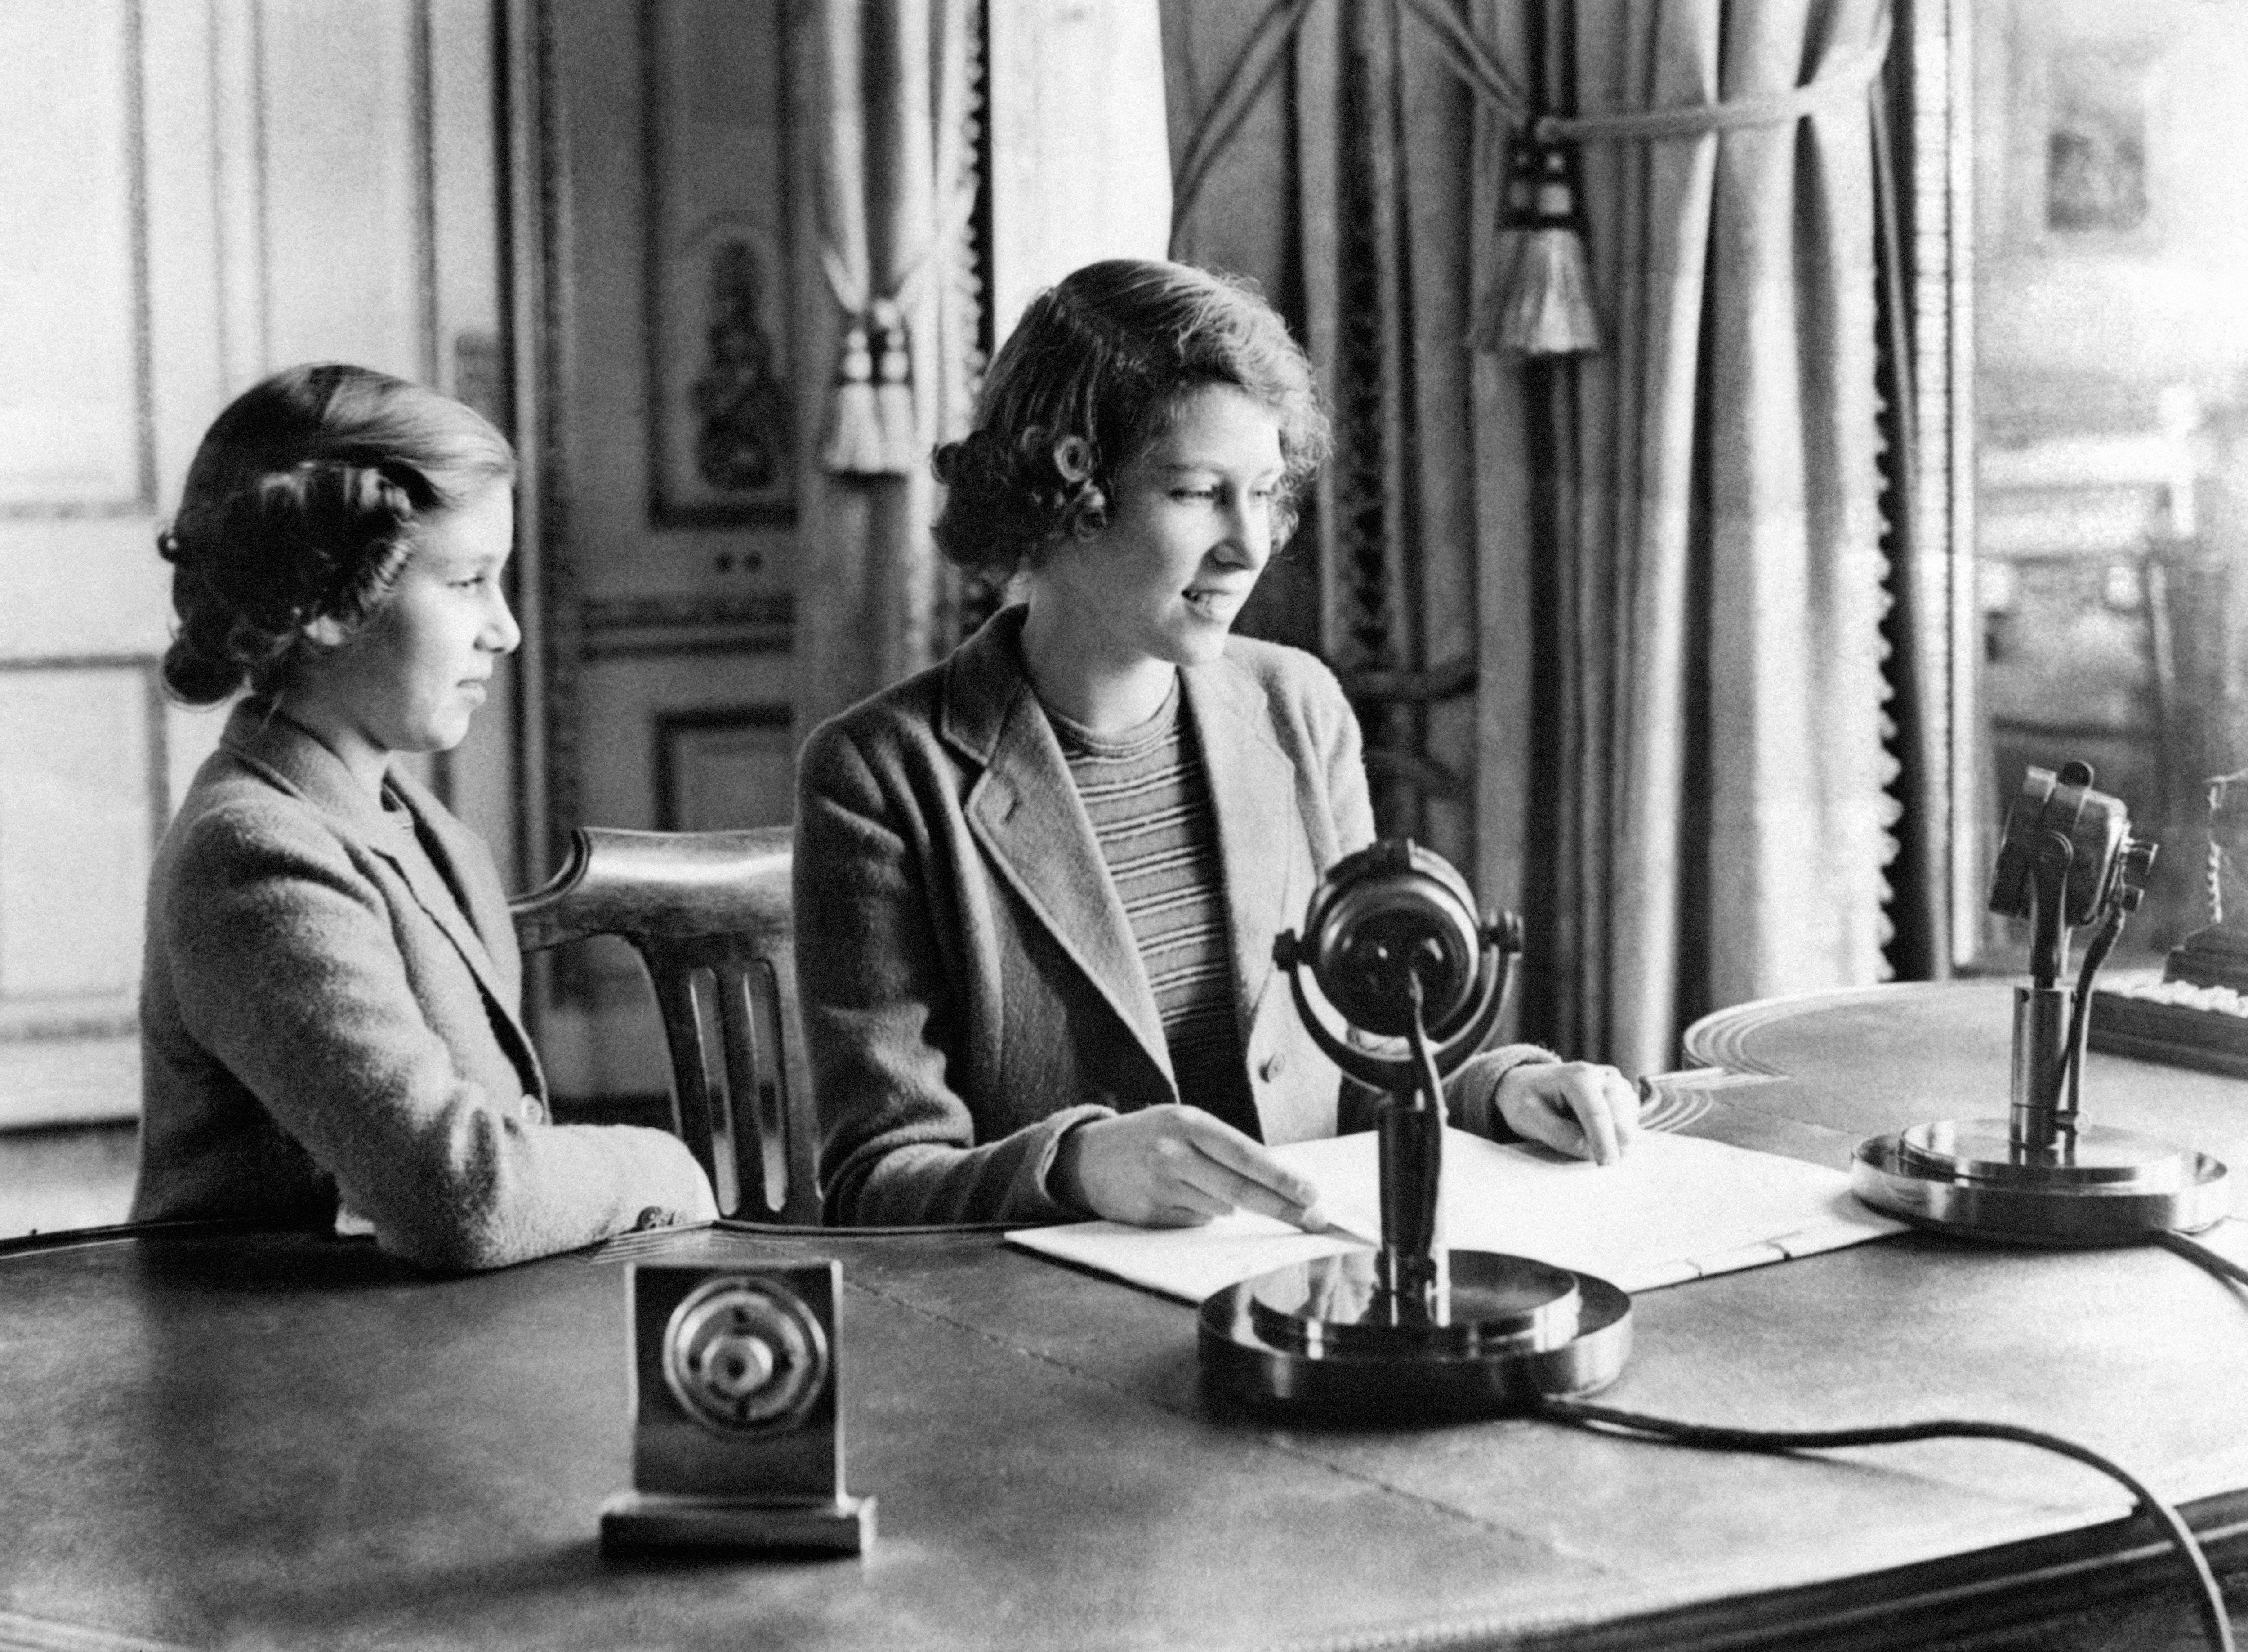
316 773
1253 791
1023 809
481 910
461 895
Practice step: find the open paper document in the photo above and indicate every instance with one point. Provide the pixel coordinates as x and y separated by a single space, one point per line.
1677 1207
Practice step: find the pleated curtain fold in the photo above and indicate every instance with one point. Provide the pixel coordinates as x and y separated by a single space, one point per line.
1720 812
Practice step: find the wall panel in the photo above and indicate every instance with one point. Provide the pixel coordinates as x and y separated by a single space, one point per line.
81 761
73 396
672 186
344 117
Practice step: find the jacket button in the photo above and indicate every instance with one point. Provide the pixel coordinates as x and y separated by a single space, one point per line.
532 1112
1275 1065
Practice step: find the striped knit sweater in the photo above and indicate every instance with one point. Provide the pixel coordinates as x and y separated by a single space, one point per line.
1149 800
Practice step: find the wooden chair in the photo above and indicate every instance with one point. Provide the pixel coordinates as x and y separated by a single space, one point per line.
709 914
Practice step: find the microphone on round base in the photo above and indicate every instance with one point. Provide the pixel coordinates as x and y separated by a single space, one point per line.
1394 944
2041 1175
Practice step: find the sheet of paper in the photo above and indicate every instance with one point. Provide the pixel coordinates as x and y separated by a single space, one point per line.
1677 1207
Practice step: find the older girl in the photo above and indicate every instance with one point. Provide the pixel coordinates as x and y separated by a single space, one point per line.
1038 885
330 1027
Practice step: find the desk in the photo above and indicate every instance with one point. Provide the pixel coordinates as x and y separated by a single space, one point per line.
241 1439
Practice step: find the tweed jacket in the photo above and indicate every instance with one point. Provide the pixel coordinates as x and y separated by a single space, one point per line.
329 1037
969 984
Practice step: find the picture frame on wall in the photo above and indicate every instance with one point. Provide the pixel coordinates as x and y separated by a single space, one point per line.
725 768
2096 142
2087 147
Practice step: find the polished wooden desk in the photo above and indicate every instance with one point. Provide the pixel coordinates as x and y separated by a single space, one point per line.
235 1439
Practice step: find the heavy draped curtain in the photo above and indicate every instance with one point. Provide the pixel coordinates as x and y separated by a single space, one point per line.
893 89
1720 768
902 94
1662 563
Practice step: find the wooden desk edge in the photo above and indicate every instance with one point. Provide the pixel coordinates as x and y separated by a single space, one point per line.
2012 1588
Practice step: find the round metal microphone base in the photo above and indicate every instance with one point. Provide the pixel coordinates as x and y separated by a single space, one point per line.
2106 1187
1324 1337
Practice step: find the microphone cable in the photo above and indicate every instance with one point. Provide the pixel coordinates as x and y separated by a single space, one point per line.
2201 1256
2209 1598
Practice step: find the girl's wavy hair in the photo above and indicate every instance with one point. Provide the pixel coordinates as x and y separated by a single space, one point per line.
300 507
1091 375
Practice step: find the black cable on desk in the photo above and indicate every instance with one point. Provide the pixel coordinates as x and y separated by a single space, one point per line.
2201 1256
2209 1600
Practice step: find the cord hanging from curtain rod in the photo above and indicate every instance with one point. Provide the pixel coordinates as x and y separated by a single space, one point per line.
1544 307
1261 56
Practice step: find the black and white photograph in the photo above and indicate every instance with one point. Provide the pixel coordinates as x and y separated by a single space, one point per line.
1008 825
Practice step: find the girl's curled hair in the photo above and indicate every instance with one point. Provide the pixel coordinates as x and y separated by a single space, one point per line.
299 507
1089 377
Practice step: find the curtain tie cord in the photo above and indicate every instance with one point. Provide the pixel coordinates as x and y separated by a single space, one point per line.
1542 306
1259 63
1470 58
1845 80
873 428
1847 76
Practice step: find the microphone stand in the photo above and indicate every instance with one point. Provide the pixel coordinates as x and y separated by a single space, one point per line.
1412 1329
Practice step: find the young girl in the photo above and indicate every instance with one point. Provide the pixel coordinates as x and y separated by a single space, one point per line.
1037 886
330 1029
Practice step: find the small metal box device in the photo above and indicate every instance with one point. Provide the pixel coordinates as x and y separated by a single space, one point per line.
737 1387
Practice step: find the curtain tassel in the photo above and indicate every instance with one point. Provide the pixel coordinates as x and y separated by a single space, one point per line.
1543 304
893 390
854 445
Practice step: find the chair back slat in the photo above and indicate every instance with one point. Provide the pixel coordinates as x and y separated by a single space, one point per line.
681 1001
792 1102
709 914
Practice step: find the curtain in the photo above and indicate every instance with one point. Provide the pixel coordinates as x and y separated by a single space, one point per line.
918 288
1718 806
1347 191
1656 570
894 88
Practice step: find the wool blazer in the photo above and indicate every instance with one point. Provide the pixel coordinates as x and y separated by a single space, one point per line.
331 1036
969 984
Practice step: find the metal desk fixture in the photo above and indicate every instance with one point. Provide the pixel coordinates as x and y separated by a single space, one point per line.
1393 944
2041 1175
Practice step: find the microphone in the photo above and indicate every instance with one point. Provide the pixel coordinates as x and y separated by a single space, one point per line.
1400 979
1397 949
2067 859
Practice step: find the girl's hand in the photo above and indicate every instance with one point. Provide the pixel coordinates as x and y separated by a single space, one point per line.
1173 1167
1577 1107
